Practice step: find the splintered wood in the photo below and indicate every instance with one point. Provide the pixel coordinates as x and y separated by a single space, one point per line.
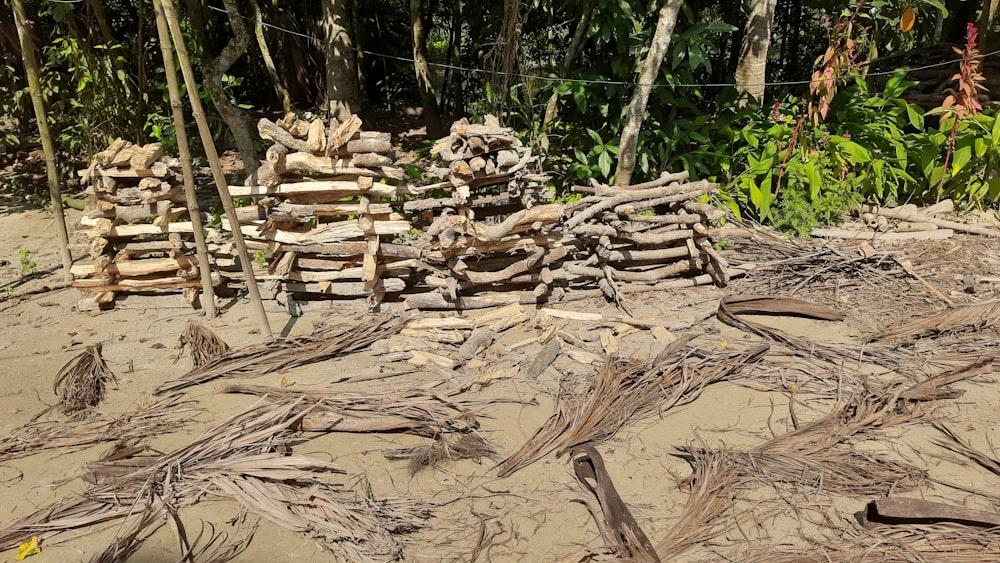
141 240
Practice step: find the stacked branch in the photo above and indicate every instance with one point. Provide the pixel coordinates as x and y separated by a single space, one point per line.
140 238
319 210
486 224
647 234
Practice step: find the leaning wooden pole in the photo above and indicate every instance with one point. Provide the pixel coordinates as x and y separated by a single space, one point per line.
213 159
194 210
34 86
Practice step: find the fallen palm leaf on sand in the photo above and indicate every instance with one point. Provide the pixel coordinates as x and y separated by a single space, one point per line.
707 512
941 543
324 344
148 420
203 344
240 459
83 381
969 317
444 448
626 391
410 410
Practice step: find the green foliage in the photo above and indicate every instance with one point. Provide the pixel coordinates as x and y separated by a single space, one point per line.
27 264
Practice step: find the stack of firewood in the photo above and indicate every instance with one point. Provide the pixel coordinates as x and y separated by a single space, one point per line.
140 240
654 234
486 222
319 209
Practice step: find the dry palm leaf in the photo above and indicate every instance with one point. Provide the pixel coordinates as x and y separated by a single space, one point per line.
707 512
411 410
941 543
956 444
444 448
625 391
969 317
152 419
82 382
274 356
237 459
203 344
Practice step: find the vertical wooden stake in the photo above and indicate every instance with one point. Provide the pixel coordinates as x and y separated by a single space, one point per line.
31 68
213 158
370 271
194 210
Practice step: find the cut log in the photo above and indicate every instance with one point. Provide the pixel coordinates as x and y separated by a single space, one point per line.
939 234
342 289
316 136
343 133
267 129
129 284
916 216
330 189
144 158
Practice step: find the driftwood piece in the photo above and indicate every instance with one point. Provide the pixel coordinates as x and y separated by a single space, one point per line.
544 358
480 339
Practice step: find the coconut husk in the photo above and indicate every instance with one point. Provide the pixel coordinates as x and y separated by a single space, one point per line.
444 448
324 344
82 382
203 344
626 391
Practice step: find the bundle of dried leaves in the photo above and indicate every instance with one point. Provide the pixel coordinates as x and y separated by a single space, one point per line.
444 448
626 391
83 381
203 344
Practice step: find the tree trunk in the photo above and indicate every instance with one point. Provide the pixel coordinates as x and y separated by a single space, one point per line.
647 77
31 68
428 98
265 53
342 95
751 72
985 22
239 123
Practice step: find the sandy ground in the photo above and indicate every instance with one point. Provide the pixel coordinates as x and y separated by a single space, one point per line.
533 515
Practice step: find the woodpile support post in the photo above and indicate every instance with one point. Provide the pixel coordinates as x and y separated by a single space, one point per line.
31 68
191 197
213 159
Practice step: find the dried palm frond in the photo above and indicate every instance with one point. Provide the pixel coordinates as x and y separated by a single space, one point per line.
411 410
969 317
837 470
204 344
277 355
707 512
236 459
625 391
152 419
444 448
956 444
944 543
126 545
82 382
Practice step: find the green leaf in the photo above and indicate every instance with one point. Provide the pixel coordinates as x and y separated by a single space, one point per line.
815 181
596 137
604 161
961 157
914 115
855 152
980 147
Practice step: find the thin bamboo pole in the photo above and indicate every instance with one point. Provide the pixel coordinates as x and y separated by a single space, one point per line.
213 160
194 210
34 86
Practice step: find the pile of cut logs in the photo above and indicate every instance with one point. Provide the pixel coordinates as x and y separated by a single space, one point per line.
327 221
319 210
485 224
140 240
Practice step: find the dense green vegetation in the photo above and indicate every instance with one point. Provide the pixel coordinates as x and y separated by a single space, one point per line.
802 156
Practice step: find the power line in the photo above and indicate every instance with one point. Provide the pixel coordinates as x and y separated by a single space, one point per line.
613 82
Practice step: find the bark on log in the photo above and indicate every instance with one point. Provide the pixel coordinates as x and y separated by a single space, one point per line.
342 289
267 129
635 195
